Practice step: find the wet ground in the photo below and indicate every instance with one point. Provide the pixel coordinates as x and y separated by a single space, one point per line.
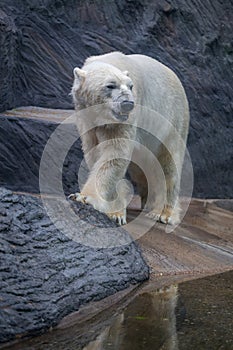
191 315
208 306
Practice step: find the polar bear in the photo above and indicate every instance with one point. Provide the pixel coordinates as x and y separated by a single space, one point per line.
129 105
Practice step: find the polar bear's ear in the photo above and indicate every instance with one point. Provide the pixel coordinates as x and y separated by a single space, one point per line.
126 73
79 74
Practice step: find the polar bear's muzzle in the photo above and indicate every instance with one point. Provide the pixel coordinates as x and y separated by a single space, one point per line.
121 109
126 106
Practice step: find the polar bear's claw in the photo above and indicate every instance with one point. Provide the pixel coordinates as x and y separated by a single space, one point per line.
167 216
78 197
153 215
118 217
160 218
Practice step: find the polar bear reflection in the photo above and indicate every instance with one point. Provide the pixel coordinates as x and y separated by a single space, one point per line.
147 323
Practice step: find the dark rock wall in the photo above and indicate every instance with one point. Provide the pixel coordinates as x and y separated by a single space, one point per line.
21 148
41 42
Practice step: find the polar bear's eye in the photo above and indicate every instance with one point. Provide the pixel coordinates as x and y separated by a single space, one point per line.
111 86
131 87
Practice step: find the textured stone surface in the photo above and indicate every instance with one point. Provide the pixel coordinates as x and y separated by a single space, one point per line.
21 148
45 275
41 42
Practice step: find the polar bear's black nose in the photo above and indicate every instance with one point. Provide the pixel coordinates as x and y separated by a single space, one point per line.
127 106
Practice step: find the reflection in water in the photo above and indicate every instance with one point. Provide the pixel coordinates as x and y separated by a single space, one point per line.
149 322
201 319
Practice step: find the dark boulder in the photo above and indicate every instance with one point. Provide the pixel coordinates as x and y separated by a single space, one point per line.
46 275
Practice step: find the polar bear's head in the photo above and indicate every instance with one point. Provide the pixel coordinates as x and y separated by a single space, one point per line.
103 84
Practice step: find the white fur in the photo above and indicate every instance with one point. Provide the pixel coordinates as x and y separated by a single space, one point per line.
157 89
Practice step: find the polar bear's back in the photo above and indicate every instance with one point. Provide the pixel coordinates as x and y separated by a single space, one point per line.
151 78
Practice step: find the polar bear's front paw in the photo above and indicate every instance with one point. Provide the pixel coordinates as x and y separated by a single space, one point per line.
78 197
119 217
153 215
158 217
167 216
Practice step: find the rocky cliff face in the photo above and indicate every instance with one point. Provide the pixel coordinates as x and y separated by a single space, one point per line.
41 42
